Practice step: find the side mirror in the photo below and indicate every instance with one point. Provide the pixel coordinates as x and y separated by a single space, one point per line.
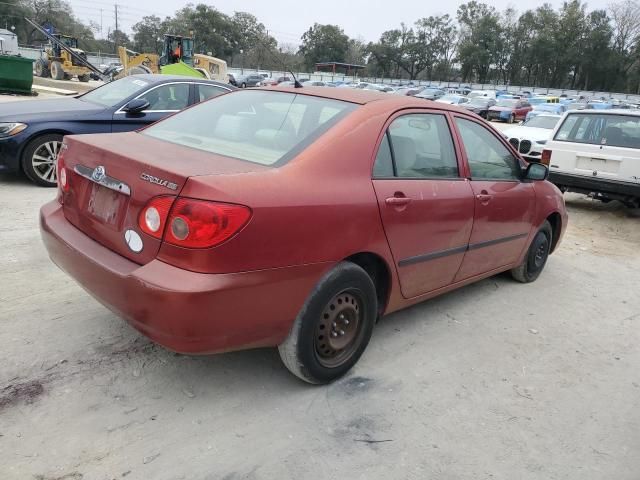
536 171
136 105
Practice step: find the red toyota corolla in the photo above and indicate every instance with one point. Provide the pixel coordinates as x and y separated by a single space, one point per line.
295 218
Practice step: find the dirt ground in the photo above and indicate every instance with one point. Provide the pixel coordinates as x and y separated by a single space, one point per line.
497 380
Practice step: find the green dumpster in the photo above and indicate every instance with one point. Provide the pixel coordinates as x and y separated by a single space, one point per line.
16 74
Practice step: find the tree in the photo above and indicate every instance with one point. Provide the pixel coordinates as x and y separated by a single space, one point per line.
480 30
324 43
147 35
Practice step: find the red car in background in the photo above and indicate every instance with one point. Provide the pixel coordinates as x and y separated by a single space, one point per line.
295 217
509 110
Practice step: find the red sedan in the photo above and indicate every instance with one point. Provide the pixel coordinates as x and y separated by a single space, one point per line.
295 218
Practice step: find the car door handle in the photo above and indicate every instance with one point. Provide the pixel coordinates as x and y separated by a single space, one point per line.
398 201
484 198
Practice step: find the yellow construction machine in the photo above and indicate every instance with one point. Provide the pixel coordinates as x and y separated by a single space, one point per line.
59 64
177 59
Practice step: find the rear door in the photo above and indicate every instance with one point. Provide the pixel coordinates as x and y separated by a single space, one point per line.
504 205
163 100
425 205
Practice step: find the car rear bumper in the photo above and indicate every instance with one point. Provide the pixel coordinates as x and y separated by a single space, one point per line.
184 311
584 184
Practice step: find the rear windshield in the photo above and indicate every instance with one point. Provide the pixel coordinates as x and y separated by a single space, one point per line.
612 130
257 126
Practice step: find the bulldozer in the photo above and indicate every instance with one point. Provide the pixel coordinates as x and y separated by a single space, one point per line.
177 59
59 64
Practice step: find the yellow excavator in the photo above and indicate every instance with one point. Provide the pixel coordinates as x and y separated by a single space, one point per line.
177 59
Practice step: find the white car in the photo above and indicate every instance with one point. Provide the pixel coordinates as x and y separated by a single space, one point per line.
453 99
530 137
597 152
483 93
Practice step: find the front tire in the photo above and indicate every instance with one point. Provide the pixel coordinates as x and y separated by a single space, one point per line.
84 78
40 157
511 119
57 73
244 85
536 258
333 327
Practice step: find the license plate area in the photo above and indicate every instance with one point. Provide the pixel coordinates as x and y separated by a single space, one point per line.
106 205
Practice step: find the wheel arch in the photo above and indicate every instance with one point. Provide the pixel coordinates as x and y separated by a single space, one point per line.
377 268
555 220
35 135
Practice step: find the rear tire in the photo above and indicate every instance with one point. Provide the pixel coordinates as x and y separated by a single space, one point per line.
40 157
57 73
333 327
42 68
536 258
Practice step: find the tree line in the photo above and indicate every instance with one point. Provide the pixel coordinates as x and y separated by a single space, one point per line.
570 47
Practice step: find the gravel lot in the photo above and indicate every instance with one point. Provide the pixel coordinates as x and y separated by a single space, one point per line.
497 380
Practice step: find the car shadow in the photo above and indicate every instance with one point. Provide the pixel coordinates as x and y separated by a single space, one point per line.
7 178
587 204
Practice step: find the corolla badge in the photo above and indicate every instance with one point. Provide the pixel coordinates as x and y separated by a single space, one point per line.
159 181
99 173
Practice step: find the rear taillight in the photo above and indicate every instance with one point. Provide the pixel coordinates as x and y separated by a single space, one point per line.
545 159
61 173
153 216
202 224
192 223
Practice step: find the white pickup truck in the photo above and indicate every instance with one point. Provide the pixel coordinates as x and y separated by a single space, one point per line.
597 152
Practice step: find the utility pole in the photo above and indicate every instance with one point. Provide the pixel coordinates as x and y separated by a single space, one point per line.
101 35
116 7
115 38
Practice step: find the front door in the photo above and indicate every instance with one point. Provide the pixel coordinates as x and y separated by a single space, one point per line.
504 205
163 100
425 205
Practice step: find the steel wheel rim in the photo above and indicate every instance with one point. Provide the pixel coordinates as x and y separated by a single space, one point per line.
44 160
540 253
339 329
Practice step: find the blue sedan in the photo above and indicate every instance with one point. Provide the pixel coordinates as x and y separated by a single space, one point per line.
31 132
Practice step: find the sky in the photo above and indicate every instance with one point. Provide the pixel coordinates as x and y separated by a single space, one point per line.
287 20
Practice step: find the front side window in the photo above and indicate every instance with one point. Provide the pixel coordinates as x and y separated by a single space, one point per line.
611 130
264 127
488 157
420 146
174 96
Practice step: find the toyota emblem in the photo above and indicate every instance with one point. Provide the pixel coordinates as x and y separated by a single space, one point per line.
98 173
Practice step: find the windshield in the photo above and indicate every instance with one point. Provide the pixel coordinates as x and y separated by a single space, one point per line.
537 101
599 129
113 93
542 121
506 103
451 98
257 126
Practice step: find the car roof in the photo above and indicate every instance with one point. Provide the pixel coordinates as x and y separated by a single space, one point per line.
161 78
611 111
363 97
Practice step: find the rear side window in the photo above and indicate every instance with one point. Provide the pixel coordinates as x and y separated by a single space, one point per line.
420 146
257 126
205 92
169 97
611 130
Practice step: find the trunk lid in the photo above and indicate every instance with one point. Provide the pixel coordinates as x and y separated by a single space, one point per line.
105 203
